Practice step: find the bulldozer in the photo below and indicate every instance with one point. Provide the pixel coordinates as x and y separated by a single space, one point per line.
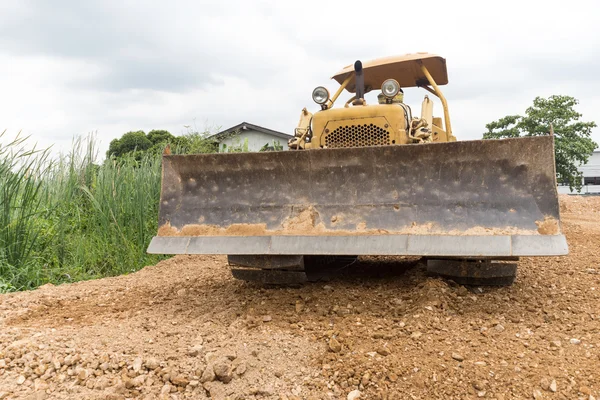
368 180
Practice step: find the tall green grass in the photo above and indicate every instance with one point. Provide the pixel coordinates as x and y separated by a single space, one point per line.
73 217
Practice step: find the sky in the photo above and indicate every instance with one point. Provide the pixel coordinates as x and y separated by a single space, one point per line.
71 68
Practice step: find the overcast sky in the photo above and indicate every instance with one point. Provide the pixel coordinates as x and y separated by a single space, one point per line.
68 68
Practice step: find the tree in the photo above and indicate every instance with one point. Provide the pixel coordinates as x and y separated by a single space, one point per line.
138 144
129 142
572 142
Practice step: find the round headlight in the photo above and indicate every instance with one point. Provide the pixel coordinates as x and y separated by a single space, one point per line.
320 95
390 88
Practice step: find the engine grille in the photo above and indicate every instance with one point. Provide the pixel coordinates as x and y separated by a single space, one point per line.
357 135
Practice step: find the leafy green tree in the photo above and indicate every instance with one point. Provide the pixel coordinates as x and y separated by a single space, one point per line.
572 141
128 143
160 137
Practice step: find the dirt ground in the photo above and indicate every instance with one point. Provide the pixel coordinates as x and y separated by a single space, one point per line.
383 328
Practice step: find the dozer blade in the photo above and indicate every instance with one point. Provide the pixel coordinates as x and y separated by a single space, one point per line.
468 198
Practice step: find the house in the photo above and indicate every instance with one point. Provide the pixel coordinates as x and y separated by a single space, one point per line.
591 175
250 137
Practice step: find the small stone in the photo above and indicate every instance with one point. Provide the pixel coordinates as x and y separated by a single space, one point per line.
353 395
416 335
194 383
553 387
481 393
479 385
223 370
299 306
152 363
208 375
166 389
241 369
384 351
334 345
554 372
40 385
537 394
180 380
194 350
457 357
365 379
545 383
480 363
575 341
267 318
327 287
20 380
585 390
137 364
499 328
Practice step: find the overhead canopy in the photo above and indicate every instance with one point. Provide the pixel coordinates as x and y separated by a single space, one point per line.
405 69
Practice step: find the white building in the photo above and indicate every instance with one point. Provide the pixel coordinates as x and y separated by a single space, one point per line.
591 175
250 137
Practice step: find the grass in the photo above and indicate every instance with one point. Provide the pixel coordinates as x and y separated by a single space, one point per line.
72 218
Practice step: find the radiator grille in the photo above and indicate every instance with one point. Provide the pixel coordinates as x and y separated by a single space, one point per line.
357 135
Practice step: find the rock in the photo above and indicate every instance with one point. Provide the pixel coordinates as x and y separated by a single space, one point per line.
384 351
575 341
137 364
365 379
480 363
40 385
194 383
216 390
20 380
457 357
241 369
299 306
194 350
499 328
545 383
208 375
267 318
353 395
223 370
166 389
537 394
554 372
585 390
478 385
180 380
327 287
553 387
334 345
416 335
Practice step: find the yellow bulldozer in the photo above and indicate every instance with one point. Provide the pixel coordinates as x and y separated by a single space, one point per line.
368 179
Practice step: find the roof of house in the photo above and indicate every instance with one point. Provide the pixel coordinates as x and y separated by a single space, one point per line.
244 126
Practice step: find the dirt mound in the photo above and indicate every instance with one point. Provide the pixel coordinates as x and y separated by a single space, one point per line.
185 329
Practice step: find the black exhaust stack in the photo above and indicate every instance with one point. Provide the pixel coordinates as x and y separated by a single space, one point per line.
359 81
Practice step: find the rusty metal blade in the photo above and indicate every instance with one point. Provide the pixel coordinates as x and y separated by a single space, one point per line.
480 188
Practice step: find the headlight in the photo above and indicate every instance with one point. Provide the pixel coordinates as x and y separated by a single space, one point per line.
320 95
390 88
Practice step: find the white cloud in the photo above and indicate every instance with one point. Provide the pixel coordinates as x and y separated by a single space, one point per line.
112 66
